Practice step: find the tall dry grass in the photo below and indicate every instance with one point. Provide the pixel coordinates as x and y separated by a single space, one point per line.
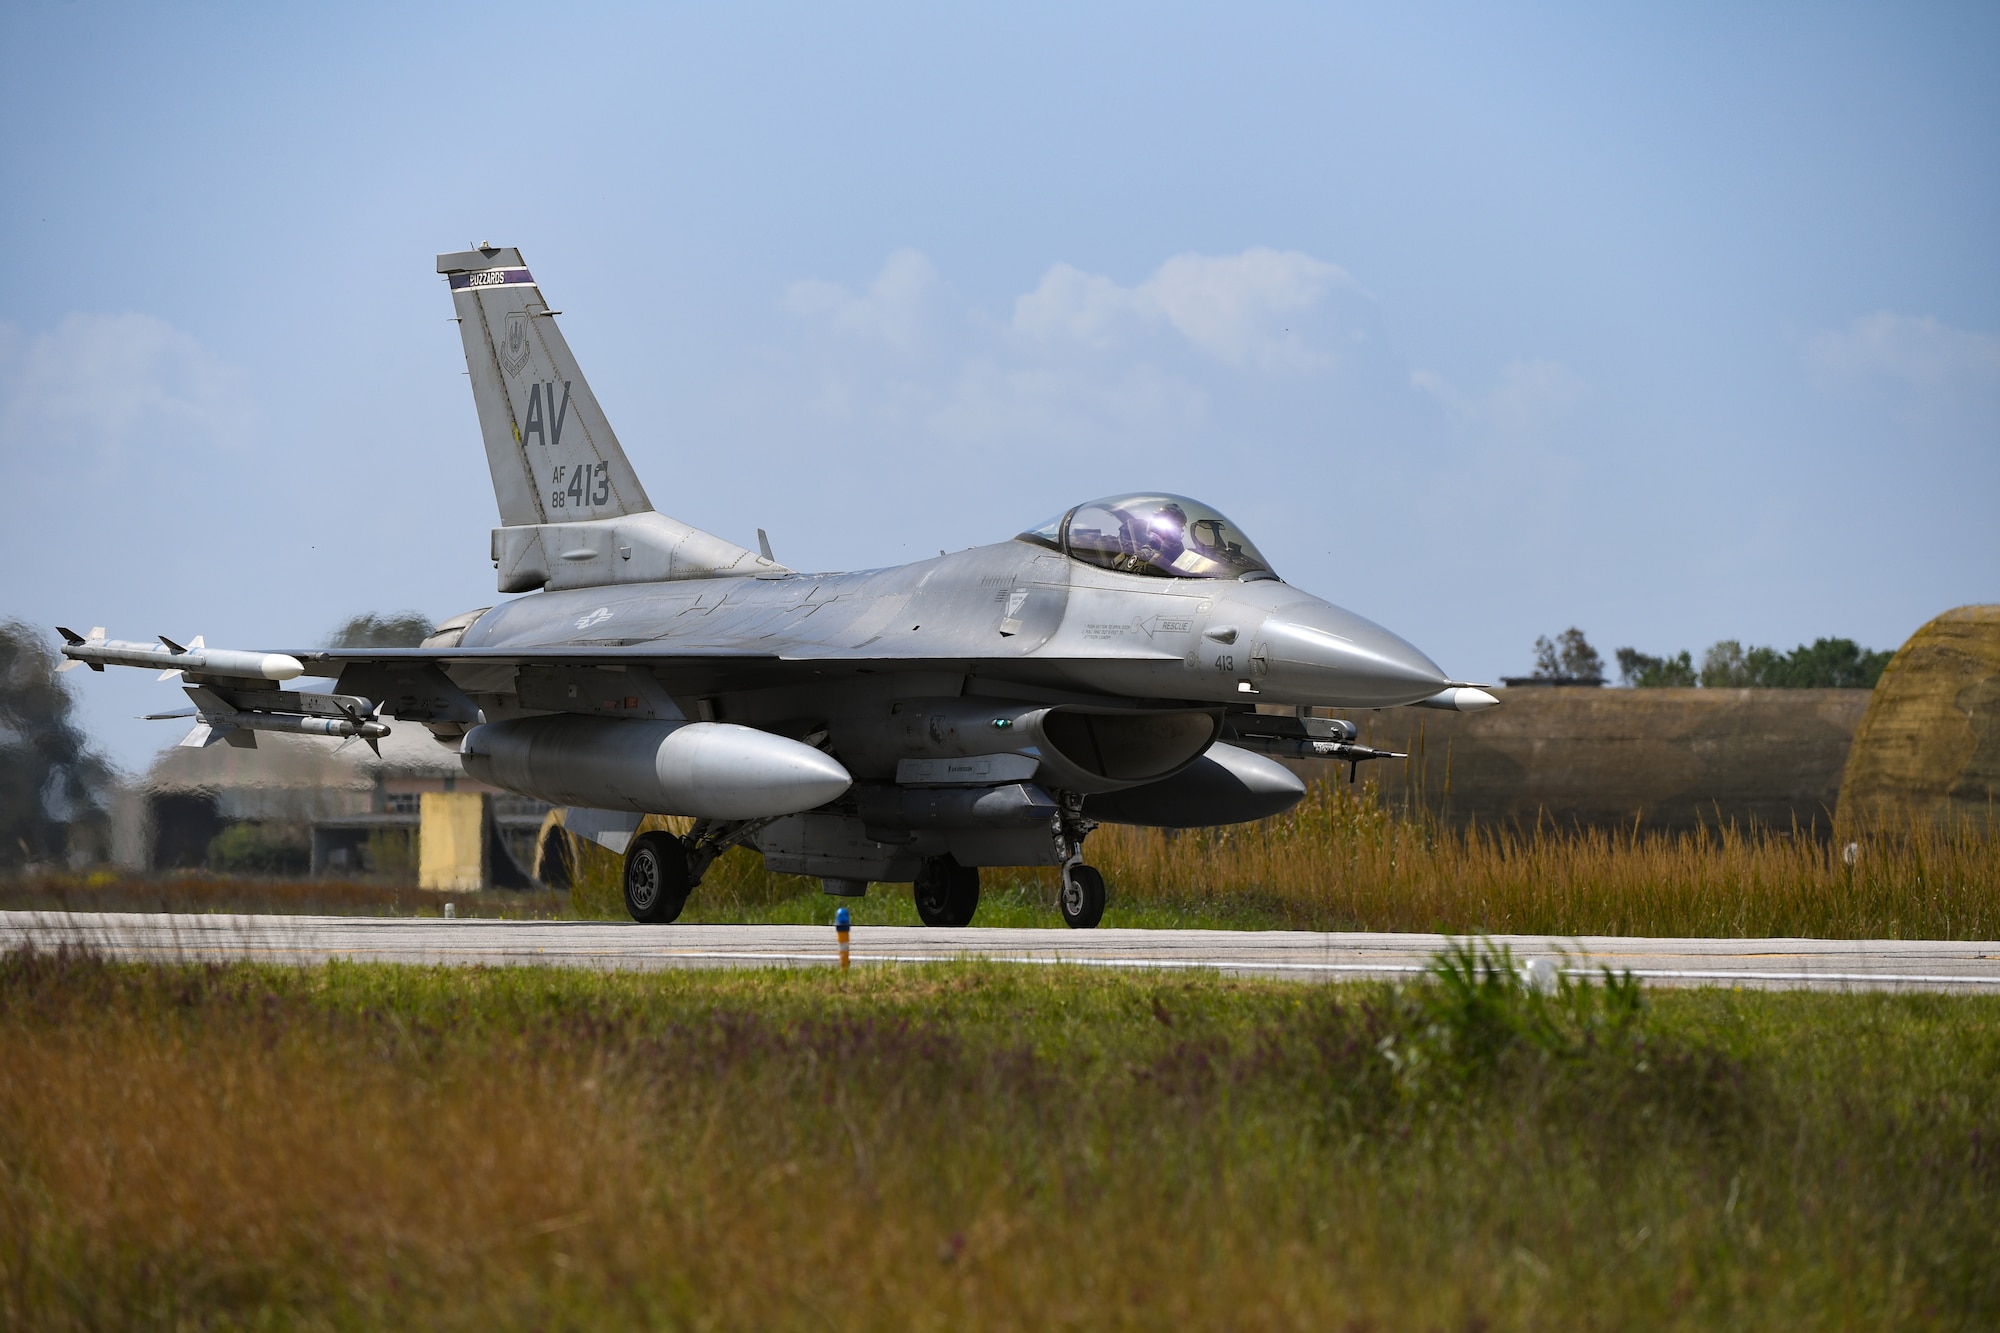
1342 860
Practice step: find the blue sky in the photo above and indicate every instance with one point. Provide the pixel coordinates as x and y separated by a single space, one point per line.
1676 323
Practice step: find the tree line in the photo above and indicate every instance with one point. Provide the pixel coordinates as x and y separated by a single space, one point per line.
1825 664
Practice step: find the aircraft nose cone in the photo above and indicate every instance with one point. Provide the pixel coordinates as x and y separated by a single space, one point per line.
1322 654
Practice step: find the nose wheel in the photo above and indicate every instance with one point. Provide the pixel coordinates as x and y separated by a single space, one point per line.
656 878
1082 898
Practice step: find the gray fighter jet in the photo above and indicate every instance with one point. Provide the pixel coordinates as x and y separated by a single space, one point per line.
907 725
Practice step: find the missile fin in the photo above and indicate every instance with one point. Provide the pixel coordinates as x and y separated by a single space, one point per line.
172 647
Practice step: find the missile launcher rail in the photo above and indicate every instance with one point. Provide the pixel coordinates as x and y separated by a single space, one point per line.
1290 737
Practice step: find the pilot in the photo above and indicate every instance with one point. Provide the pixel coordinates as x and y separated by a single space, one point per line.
1167 534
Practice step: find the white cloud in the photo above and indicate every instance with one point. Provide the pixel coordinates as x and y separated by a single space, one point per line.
1089 372
1074 305
1919 350
990 402
1530 398
894 310
1240 309
103 384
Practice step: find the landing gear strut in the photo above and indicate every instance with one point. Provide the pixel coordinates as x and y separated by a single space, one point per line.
947 893
1082 898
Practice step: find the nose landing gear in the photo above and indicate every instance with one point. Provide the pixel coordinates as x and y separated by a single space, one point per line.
1082 897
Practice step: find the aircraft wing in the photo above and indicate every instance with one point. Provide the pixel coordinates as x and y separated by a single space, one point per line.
372 671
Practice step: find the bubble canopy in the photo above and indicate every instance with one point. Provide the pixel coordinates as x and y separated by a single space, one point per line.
1168 536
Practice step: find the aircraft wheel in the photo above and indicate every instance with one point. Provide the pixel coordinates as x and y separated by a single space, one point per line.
1082 900
947 893
656 878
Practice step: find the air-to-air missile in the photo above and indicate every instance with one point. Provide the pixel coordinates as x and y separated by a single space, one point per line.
222 709
97 652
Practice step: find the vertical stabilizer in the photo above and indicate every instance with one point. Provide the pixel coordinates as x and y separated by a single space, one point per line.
553 456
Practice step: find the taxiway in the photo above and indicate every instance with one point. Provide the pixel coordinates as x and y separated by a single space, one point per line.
1299 955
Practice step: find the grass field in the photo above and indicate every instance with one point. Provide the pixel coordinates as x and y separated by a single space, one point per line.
980 1146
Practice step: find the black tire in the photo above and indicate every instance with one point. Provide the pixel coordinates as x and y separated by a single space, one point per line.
947 893
1082 898
656 878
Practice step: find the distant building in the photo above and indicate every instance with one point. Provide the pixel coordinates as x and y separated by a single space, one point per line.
342 796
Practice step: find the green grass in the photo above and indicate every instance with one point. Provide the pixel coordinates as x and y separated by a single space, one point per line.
738 890
984 1146
1003 901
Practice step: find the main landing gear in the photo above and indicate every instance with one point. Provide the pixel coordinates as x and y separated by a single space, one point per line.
661 869
656 878
947 893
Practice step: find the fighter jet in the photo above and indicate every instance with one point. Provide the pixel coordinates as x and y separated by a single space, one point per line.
912 725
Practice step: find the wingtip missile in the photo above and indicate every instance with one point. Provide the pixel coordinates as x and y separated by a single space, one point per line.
97 652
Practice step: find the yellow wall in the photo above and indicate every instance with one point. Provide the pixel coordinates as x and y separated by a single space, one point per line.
452 844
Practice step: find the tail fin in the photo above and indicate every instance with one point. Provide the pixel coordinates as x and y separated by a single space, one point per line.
572 511
553 455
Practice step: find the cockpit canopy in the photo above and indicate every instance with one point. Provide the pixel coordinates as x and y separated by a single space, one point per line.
1169 536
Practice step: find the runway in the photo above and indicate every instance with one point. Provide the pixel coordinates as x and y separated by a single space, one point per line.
1944 965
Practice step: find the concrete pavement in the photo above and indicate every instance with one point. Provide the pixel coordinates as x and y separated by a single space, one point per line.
1299 955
